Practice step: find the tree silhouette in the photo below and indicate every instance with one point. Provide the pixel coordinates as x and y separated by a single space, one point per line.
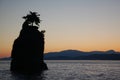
32 17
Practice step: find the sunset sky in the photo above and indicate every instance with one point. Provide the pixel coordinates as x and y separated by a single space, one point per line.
85 25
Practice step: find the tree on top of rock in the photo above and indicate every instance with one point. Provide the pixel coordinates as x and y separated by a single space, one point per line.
32 18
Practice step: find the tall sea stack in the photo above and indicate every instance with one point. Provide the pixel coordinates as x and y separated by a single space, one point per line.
28 49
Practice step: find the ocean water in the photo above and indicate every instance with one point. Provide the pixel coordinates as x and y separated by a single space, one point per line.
68 70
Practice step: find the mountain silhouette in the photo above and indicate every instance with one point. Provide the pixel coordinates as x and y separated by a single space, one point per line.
80 55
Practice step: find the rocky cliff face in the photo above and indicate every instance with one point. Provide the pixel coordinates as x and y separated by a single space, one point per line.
28 49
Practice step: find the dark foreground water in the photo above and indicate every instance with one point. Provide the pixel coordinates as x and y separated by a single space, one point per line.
68 70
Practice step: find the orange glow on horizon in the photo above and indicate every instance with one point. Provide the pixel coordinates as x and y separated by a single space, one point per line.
82 25
7 53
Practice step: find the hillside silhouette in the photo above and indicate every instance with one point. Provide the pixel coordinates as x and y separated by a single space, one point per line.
80 55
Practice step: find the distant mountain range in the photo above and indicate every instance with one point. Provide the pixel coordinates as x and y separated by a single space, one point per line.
80 55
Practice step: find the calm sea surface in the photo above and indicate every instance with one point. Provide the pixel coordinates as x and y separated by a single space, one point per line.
68 70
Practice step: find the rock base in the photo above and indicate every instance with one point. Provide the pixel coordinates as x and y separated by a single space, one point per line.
26 68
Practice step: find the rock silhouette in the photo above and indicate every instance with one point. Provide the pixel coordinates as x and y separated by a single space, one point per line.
28 49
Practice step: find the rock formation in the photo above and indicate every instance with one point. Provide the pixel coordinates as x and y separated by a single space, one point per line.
28 50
